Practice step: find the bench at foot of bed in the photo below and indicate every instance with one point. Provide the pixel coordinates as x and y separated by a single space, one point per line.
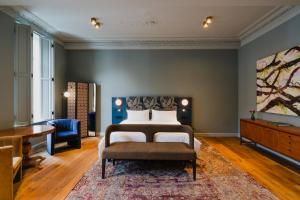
149 151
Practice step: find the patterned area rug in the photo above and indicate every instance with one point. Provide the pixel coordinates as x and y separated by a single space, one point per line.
217 178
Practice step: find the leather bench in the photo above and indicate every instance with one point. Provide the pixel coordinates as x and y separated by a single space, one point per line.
149 150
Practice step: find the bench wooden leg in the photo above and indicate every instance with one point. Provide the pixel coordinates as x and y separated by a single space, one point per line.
194 169
114 162
103 168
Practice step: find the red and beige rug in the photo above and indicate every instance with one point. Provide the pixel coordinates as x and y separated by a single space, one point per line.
217 179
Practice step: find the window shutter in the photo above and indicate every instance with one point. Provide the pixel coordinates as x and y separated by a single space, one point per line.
46 79
22 65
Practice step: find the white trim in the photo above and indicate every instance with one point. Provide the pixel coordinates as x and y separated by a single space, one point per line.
217 134
278 16
253 27
155 44
24 16
269 21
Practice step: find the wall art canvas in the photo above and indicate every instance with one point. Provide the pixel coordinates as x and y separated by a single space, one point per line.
278 83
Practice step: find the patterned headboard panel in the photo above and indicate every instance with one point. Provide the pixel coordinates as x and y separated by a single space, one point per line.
121 104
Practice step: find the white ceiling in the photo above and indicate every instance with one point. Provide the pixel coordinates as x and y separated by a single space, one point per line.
127 19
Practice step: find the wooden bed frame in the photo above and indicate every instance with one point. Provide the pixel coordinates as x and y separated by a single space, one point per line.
149 150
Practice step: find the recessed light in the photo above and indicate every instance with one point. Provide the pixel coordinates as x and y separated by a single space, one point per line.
205 24
151 22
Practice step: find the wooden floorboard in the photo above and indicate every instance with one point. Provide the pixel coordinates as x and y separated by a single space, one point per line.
61 172
272 172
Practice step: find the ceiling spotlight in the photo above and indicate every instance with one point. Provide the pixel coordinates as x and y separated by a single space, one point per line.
97 25
93 21
205 24
209 19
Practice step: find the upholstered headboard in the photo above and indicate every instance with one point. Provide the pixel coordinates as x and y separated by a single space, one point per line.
183 105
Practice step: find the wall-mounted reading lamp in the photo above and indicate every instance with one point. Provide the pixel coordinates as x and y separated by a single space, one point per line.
118 103
184 102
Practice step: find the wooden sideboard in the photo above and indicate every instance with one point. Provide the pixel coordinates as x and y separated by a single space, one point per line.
282 139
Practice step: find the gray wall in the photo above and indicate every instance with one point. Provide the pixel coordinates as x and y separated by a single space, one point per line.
6 71
283 37
60 80
209 76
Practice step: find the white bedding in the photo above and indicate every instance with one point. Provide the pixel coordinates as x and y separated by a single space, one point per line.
140 137
150 122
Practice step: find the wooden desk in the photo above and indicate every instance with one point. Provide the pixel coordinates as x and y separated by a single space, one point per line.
27 133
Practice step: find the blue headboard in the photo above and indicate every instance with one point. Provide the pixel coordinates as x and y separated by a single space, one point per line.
183 105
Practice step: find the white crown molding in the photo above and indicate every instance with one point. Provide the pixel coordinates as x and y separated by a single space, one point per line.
24 16
155 44
271 20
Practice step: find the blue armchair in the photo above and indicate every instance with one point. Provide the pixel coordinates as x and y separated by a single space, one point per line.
67 130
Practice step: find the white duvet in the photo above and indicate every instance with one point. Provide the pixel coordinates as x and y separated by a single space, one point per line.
140 137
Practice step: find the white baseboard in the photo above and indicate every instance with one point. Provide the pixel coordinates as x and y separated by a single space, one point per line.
217 134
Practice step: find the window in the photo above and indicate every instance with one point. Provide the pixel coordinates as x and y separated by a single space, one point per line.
42 79
33 77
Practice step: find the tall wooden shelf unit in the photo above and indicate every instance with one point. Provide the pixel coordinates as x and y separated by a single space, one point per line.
282 139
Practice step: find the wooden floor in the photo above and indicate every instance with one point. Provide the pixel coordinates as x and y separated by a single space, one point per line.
280 177
61 172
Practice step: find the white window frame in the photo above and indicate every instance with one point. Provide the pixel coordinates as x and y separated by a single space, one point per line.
51 79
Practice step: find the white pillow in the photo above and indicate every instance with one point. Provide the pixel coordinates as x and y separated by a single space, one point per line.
138 115
164 116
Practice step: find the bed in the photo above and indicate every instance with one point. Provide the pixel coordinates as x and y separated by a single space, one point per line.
162 111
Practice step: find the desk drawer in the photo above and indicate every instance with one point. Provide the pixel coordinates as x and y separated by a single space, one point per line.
289 145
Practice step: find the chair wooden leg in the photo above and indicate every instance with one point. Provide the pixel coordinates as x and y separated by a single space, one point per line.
18 176
194 169
103 168
114 162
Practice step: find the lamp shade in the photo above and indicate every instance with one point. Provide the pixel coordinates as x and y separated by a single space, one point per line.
184 102
67 94
118 102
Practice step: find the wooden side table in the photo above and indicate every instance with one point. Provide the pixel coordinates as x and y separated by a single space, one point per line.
27 133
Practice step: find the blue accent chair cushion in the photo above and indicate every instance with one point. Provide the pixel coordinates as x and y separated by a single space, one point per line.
66 133
67 130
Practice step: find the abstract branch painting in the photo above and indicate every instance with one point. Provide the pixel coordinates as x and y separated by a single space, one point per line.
278 83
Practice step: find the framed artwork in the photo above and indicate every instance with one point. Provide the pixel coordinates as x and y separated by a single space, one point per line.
278 83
